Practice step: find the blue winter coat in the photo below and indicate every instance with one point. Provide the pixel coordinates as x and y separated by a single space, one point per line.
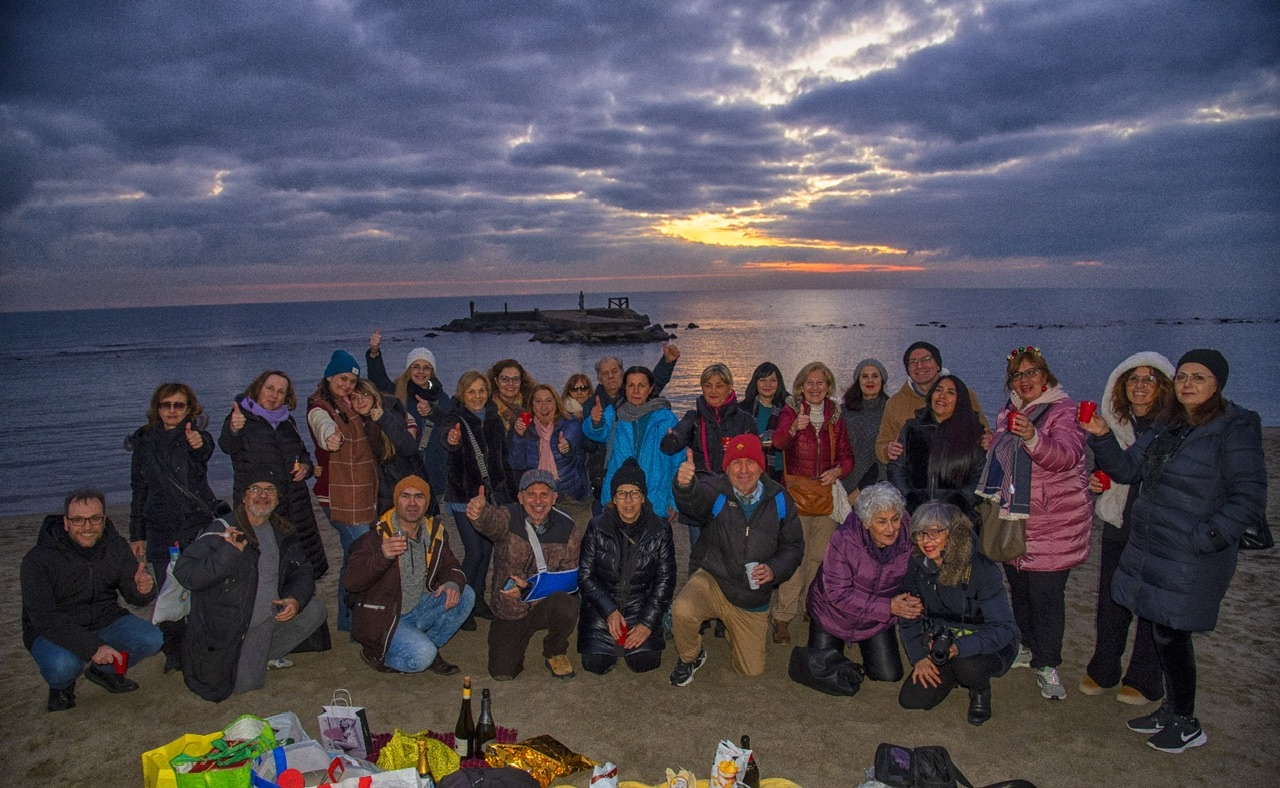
659 468
570 468
1191 510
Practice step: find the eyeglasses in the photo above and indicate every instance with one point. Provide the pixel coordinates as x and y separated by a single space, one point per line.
1027 374
1197 379
580 387
260 490
932 535
80 522
1141 380
628 495
508 378
171 405
923 361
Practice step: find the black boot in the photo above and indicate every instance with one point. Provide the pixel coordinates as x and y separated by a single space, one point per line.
174 632
482 610
979 706
62 699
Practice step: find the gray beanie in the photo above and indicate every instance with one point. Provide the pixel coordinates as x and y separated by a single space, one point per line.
871 362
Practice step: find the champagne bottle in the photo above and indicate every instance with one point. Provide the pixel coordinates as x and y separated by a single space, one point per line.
752 777
425 780
486 731
464 732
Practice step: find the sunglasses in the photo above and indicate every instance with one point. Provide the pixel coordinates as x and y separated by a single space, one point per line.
170 405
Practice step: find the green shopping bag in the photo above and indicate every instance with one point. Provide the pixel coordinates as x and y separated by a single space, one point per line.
229 762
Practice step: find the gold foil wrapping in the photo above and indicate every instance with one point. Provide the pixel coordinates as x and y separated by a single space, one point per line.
542 756
402 753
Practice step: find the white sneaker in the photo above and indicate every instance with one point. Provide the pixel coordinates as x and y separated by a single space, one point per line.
1050 685
1023 660
279 664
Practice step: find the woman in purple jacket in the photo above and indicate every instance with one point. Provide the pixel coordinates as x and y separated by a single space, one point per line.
856 595
1036 472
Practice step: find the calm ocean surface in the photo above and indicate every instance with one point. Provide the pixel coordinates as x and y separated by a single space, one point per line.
80 381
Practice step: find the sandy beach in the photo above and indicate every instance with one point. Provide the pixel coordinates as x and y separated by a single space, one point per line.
644 725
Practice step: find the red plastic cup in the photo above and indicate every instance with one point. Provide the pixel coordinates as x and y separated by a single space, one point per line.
622 638
122 663
526 418
1103 479
1086 410
1009 420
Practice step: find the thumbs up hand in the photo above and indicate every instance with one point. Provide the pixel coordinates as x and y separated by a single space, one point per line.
424 407
563 445
684 476
143 581
237 417
455 434
475 506
194 439
597 412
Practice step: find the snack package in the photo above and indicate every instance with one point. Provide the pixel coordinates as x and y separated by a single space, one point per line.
681 779
730 763
605 776
542 756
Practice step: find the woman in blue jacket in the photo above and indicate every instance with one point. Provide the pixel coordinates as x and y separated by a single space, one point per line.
552 440
1204 483
635 428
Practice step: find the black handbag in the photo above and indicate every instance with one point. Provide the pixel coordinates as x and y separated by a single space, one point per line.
825 670
1257 536
925 767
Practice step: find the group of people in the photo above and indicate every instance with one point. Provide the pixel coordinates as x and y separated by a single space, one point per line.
862 515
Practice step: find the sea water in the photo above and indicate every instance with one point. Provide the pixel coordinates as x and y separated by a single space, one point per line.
79 382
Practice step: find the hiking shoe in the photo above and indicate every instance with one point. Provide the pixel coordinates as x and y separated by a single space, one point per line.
560 667
1151 723
279 664
1090 687
682 676
1050 684
1132 696
1178 735
62 699
111 682
443 667
1023 660
781 633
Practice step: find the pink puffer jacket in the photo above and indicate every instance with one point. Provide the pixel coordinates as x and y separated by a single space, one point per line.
1061 506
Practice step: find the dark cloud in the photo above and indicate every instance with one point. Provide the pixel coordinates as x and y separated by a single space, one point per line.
507 140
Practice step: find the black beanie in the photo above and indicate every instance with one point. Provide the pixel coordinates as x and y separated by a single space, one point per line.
1211 359
629 472
933 351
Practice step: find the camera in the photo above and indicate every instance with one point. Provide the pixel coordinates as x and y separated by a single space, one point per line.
941 639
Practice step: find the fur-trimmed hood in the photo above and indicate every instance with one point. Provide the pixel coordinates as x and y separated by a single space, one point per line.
957 559
1110 504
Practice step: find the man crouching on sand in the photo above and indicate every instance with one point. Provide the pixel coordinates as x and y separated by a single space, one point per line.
72 621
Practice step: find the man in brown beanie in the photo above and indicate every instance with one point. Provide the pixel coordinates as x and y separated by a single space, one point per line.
410 595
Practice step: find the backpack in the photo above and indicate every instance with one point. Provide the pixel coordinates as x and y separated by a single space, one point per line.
925 767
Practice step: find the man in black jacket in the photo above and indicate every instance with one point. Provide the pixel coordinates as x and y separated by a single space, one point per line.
72 621
752 543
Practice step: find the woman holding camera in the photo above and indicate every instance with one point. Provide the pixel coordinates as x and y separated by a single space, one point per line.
966 635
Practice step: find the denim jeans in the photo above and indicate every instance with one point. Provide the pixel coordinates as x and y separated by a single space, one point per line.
348 533
60 668
422 631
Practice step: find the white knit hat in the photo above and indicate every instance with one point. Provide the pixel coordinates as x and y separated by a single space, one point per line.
422 354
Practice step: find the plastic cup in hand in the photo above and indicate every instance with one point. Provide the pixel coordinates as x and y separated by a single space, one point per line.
1086 411
1103 479
526 418
751 574
121 663
622 636
1009 417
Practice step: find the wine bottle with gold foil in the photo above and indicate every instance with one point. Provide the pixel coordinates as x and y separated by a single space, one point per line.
425 780
464 732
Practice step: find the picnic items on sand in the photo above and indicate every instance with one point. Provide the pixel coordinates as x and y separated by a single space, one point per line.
345 728
542 756
228 761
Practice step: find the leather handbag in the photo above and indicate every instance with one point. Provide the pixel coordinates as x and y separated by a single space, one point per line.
1257 536
825 670
812 497
999 538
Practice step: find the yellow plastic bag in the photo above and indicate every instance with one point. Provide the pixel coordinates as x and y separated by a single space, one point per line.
402 753
156 772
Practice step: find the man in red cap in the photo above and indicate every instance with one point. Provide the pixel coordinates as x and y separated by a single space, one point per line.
752 542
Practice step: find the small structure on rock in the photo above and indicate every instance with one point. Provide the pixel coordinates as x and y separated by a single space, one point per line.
617 323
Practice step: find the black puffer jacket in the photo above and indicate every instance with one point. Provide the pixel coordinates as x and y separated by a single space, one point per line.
729 540
161 513
643 597
1199 493
407 461
68 592
223 582
705 430
434 458
464 473
910 472
259 449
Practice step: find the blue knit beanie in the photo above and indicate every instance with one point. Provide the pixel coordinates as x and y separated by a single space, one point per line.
342 361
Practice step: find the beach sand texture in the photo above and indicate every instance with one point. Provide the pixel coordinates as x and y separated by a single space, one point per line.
644 725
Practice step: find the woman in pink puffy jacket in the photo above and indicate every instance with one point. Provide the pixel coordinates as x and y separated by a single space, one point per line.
1036 471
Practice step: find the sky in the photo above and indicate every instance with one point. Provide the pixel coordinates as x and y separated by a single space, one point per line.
172 153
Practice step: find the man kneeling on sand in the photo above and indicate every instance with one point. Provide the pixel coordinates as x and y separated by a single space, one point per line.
532 541
72 621
410 595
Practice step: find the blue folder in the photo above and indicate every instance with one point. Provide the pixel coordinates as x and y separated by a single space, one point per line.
545 584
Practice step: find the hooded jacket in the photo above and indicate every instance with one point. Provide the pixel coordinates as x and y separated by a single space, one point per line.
852 589
374 581
160 513
223 581
965 593
625 439
1111 503
69 592
1197 497
706 430
642 595
729 540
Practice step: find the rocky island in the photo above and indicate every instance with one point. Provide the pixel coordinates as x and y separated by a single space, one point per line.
616 323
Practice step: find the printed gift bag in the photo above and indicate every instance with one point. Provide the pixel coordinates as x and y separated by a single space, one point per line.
345 728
